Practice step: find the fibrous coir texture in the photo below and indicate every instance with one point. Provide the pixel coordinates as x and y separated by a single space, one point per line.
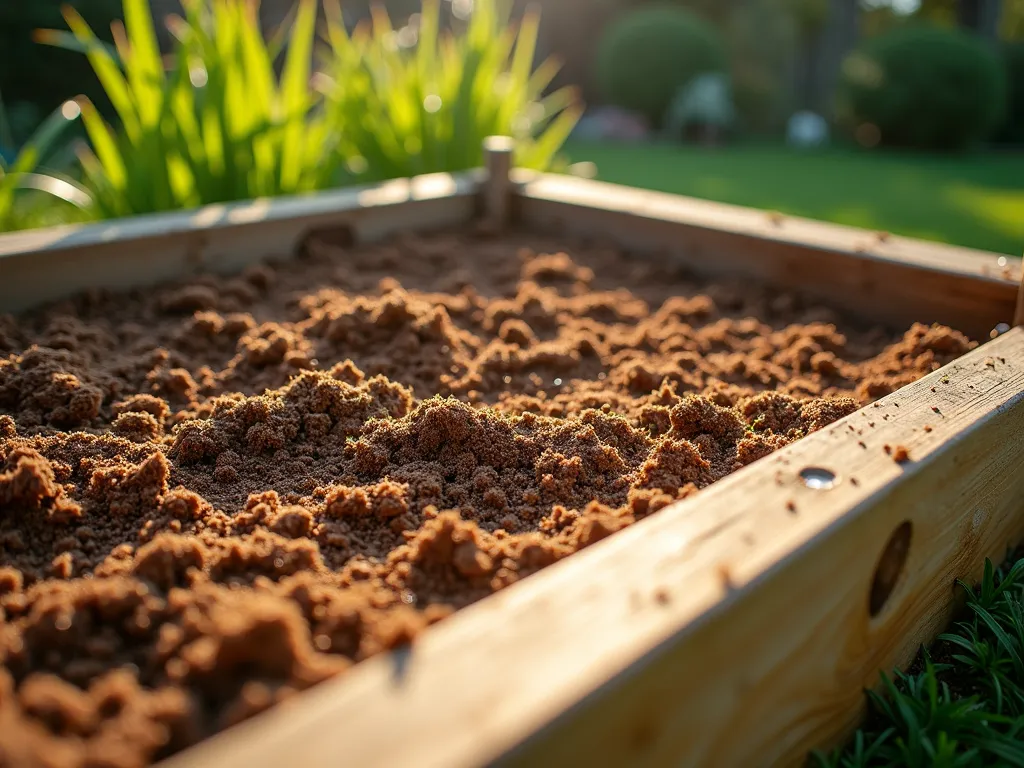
216 494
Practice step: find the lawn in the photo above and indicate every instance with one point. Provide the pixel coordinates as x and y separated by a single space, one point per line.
962 703
975 201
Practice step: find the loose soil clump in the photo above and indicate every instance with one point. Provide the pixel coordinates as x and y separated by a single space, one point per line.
219 493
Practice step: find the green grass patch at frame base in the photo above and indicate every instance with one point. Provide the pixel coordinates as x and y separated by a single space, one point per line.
971 200
961 705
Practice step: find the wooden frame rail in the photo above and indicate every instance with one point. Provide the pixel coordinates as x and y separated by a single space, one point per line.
738 627
879 276
43 265
734 628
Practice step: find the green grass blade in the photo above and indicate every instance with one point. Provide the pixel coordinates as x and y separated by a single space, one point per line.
522 64
337 35
544 150
183 111
22 173
104 144
275 44
294 92
1004 639
543 77
426 52
106 67
1012 751
257 65
62 38
432 129
108 154
145 69
106 201
553 105
49 131
460 153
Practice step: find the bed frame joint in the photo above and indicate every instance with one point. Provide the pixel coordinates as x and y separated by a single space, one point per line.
497 192
1018 318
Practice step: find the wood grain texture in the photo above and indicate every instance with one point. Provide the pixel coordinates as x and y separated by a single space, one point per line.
1018 318
47 264
730 629
889 278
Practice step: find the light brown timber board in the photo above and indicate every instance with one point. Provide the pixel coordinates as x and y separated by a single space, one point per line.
898 280
1019 316
564 676
726 630
884 277
48 264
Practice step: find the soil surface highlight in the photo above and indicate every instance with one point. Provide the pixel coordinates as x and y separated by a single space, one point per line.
216 494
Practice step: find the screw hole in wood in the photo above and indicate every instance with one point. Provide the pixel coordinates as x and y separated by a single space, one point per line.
890 568
818 478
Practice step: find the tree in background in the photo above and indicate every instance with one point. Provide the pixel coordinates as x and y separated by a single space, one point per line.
838 38
922 86
765 41
809 18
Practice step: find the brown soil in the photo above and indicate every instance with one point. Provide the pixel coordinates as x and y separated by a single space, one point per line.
216 494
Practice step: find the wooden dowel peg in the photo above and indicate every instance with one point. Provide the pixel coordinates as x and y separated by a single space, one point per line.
1018 318
496 195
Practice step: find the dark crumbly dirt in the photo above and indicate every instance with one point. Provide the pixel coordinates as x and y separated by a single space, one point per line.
216 494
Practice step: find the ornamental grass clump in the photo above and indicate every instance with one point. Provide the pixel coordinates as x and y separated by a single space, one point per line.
24 172
218 124
962 703
421 99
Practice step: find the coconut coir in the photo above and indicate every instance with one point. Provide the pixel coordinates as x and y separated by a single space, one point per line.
218 493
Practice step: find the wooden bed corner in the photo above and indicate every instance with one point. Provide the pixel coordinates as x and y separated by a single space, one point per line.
737 627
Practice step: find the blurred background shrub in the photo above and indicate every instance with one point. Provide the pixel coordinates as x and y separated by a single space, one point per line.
925 87
647 56
1012 130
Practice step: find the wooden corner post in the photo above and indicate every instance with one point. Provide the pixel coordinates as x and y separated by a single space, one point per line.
1018 318
497 189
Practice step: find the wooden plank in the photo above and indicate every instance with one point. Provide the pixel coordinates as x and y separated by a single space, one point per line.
727 615
1018 318
497 190
733 628
892 279
42 265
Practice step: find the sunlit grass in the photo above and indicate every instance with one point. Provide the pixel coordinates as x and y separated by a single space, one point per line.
1001 209
51 196
975 201
219 124
230 115
962 705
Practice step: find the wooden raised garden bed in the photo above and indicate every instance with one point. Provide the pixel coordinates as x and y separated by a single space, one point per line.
736 626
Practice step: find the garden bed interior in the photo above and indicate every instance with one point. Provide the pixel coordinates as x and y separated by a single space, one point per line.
223 490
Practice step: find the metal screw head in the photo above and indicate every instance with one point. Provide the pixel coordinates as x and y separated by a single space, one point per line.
818 478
